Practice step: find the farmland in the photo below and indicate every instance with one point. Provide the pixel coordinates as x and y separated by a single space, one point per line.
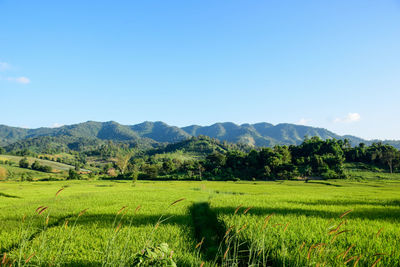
282 223
55 165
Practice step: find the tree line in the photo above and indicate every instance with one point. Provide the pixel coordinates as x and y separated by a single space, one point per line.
207 158
313 158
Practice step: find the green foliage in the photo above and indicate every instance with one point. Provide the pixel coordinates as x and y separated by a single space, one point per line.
202 157
378 154
73 175
3 173
26 176
89 136
160 255
38 167
24 163
316 157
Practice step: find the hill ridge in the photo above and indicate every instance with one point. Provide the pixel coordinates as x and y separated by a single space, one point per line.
256 134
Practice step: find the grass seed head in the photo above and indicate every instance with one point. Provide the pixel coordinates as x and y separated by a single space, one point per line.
121 210
376 262
309 251
349 260
137 208
30 257
266 220
379 232
38 208
226 252
242 228
336 229
4 258
59 191
42 210
345 213
228 231
379 254
342 232
247 210
118 227
176 201
284 230
82 212
237 209
357 260
200 243
347 251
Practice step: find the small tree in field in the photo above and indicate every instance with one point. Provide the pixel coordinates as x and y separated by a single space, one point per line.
388 157
73 175
122 159
24 163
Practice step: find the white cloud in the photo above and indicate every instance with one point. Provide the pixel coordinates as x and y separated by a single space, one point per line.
303 121
56 125
22 79
4 66
349 118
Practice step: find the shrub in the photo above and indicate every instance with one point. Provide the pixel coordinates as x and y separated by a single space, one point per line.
330 174
160 255
23 163
112 172
3 173
26 177
43 168
73 175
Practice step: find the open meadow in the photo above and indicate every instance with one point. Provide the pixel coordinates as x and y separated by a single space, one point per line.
282 223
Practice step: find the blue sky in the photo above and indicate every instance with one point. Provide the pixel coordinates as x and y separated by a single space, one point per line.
331 64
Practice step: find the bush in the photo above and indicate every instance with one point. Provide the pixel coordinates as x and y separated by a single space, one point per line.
43 168
24 163
3 173
26 177
330 174
160 255
112 172
73 175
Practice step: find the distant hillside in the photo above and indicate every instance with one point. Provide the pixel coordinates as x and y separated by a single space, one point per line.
160 131
200 146
260 134
151 134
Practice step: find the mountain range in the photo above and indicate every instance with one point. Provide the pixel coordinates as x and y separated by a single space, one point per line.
258 134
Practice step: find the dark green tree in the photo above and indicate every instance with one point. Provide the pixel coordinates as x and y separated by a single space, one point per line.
24 163
73 175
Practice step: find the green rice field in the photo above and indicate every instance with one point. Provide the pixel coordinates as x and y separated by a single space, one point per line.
282 223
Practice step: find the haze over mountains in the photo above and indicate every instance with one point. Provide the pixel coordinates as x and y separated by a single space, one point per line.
259 134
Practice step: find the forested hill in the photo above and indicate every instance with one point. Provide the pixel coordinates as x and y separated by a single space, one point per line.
150 133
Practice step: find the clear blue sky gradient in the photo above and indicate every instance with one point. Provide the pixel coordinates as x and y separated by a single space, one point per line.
201 62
